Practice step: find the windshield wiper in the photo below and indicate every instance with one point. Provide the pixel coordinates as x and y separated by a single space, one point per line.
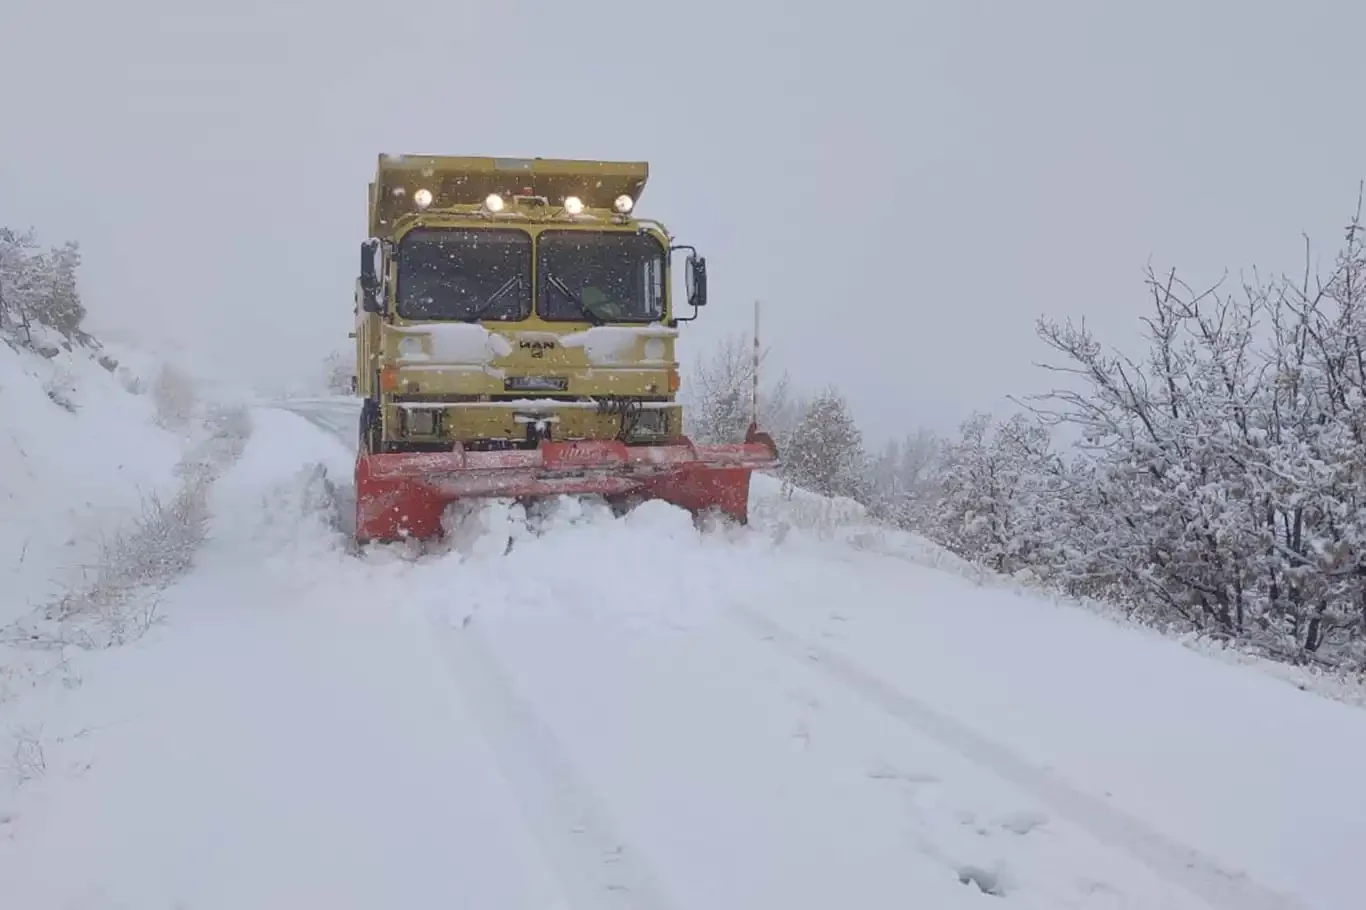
569 295
483 308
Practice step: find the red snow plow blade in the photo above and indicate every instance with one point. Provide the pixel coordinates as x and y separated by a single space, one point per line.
403 495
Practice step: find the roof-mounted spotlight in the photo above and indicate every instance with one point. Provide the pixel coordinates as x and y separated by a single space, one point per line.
573 205
422 198
494 202
623 203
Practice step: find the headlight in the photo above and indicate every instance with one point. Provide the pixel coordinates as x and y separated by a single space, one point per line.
410 348
423 198
494 202
623 203
573 205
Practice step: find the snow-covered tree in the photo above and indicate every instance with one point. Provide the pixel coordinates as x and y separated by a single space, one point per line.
338 371
903 479
39 288
1221 481
826 453
1169 440
62 309
885 494
1218 482
19 281
997 494
718 396
780 410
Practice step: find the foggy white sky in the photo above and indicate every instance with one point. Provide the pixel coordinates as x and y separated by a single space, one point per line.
907 186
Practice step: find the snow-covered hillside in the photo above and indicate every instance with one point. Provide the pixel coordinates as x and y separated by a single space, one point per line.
811 712
106 460
80 454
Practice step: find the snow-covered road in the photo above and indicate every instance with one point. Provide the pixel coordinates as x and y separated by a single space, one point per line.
627 713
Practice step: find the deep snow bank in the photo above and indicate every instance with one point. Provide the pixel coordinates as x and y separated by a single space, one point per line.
80 454
280 742
780 509
576 722
629 637
105 469
800 714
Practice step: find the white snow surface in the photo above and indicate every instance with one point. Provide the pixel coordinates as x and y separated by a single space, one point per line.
456 343
613 713
79 456
605 345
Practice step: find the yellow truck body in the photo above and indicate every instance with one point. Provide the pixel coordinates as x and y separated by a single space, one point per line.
516 336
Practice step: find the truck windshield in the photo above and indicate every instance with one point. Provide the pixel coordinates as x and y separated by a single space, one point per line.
599 277
464 275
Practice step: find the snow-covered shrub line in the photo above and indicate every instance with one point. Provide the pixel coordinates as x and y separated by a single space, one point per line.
161 544
778 508
117 601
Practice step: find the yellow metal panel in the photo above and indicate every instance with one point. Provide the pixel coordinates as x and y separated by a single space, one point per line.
465 181
537 349
466 424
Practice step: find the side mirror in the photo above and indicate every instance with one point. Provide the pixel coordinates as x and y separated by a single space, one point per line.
369 277
694 281
369 273
697 281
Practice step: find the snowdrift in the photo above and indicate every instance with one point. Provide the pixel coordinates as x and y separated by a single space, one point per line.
106 459
780 508
81 454
564 708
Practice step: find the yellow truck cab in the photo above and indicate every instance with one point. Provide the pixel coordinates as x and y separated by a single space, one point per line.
519 305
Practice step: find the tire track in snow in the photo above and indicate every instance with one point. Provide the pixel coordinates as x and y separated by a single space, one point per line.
594 864
1201 875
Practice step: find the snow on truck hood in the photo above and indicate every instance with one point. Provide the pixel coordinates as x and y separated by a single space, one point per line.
464 343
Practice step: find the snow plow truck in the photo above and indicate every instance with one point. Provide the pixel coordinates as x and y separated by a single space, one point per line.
515 338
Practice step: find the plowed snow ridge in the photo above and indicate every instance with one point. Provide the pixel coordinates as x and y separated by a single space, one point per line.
629 713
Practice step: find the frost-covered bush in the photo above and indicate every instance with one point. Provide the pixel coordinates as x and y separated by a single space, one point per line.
38 289
825 454
174 395
1218 483
903 480
718 397
339 369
